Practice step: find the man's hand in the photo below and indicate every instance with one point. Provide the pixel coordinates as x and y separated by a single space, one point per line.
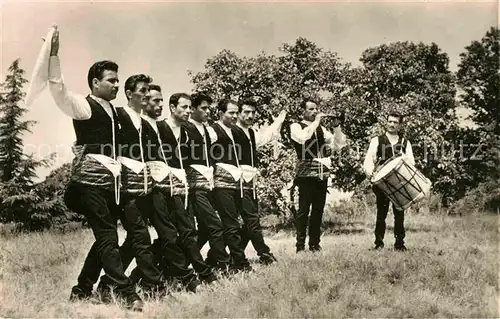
281 117
54 46
319 116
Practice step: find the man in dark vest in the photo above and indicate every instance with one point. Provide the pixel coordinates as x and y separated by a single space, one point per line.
228 184
200 179
250 141
313 145
175 146
95 172
382 148
153 206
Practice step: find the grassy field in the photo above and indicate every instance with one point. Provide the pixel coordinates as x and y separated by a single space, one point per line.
450 270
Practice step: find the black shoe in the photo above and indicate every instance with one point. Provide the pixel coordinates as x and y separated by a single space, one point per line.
267 259
240 269
192 285
378 246
134 303
78 293
208 279
300 249
400 247
104 292
315 248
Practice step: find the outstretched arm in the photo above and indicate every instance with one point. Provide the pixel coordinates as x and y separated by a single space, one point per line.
270 133
337 140
73 105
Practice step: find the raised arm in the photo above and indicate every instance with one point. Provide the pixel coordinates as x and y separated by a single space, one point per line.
300 135
73 105
270 133
337 140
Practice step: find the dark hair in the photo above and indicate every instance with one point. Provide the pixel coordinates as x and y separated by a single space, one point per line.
304 103
198 98
174 98
97 69
155 87
222 105
132 81
396 114
246 101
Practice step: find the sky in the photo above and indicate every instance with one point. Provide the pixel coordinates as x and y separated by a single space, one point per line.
166 39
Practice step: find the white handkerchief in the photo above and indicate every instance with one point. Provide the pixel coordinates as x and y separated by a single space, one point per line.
248 172
206 171
159 170
179 173
113 166
40 75
231 169
325 161
134 165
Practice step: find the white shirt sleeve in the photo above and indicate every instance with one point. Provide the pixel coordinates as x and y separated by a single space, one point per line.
300 135
267 134
73 105
409 154
212 134
371 157
337 140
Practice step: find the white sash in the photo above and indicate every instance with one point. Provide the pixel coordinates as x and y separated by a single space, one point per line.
326 161
159 170
248 172
231 169
113 166
179 173
206 171
134 165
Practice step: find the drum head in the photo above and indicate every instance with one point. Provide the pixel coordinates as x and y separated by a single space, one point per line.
387 168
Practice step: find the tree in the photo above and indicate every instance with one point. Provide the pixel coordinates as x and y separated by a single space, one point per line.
277 83
19 201
415 80
478 77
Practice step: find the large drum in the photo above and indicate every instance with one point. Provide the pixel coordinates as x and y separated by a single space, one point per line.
401 182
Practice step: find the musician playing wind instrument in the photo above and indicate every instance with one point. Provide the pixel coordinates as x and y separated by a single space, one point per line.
313 144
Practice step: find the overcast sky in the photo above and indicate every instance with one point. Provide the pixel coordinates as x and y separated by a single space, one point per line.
165 39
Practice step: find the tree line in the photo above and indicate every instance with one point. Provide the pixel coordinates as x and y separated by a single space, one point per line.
412 78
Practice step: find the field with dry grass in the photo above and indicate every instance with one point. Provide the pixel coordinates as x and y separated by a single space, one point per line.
450 270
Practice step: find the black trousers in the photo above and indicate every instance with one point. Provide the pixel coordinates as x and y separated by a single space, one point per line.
186 227
312 197
137 245
251 231
209 228
102 213
382 210
228 203
166 250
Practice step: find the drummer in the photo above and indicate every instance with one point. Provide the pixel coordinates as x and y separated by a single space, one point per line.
381 149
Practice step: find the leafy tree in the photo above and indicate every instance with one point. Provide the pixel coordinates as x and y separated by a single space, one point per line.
277 83
19 201
478 77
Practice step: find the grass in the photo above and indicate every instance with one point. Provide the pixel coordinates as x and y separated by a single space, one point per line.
451 270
